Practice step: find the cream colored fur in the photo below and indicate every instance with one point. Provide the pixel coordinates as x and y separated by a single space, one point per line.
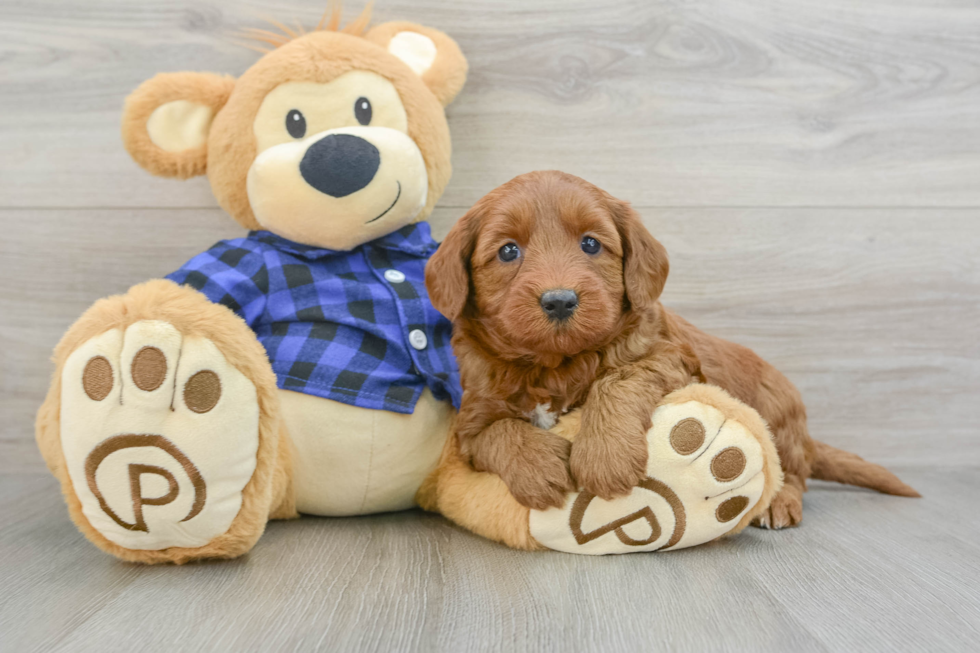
284 203
352 461
180 125
220 443
197 89
749 418
194 316
416 50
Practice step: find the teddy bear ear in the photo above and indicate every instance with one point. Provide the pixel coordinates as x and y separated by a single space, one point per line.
166 121
430 53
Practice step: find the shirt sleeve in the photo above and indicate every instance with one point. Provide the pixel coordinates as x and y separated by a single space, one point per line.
232 273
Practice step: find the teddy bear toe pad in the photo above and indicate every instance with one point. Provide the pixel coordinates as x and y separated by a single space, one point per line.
703 474
159 435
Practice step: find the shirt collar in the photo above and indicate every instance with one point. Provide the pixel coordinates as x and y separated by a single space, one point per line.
413 239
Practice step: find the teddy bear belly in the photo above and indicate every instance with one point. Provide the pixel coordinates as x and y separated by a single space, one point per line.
351 461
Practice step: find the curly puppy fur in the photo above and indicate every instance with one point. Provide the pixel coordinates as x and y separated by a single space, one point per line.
617 356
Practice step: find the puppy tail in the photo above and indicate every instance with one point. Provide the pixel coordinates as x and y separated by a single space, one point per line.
832 464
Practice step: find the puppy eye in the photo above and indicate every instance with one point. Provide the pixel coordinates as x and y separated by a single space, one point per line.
362 110
509 252
296 124
590 245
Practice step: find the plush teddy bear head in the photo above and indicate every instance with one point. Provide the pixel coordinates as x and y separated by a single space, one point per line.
332 139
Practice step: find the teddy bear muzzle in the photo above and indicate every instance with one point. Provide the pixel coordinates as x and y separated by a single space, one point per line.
339 188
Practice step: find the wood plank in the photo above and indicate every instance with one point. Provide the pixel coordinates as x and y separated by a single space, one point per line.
852 306
885 563
863 572
872 313
715 102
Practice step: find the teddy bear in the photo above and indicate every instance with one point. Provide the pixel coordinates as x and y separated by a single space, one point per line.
302 369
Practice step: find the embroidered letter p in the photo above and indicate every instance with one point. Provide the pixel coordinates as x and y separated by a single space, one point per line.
136 473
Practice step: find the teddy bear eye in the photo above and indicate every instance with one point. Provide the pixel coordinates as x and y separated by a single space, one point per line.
296 124
509 252
590 245
362 110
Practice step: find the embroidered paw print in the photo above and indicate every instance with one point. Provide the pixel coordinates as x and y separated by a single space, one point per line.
160 436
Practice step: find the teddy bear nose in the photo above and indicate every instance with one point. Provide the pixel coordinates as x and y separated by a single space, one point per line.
559 304
340 164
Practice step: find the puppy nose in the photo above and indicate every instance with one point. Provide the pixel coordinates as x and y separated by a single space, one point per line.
340 164
559 304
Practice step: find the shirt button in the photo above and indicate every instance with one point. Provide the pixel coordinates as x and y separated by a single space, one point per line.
417 339
394 276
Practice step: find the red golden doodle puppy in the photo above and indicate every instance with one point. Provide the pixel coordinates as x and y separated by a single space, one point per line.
553 287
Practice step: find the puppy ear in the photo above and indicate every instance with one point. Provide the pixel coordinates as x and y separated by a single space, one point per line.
166 121
645 262
431 54
447 274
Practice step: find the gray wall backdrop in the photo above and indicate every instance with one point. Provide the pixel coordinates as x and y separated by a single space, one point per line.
812 167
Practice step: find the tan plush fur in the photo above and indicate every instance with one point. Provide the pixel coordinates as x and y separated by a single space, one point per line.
206 89
318 56
619 355
193 315
283 504
448 72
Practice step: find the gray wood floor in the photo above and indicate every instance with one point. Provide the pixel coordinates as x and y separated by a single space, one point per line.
864 573
813 169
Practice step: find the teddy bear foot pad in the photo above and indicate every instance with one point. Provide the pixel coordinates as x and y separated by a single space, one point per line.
704 476
159 434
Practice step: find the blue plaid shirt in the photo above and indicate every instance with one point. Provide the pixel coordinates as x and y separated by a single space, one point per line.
356 326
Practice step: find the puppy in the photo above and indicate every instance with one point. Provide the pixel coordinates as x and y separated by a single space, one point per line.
553 288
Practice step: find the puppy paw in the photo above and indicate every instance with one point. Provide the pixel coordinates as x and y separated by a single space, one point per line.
538 475
785 511
608 465
159 435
